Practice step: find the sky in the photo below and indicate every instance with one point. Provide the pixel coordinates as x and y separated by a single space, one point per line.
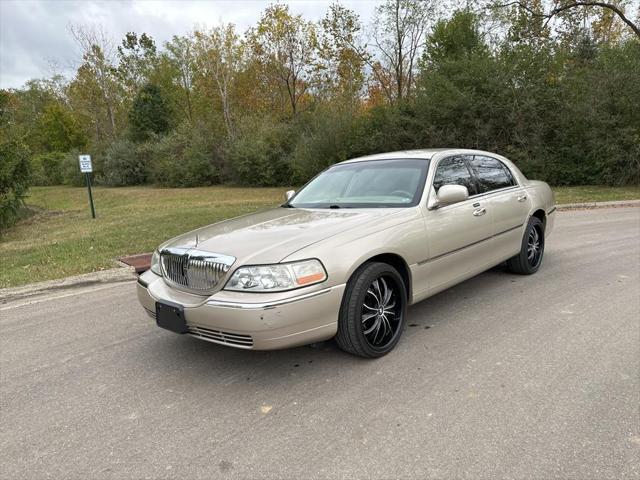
35 41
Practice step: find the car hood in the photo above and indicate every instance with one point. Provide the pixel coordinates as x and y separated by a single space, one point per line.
270 236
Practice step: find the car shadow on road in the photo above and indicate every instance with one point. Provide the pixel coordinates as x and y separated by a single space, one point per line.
204 361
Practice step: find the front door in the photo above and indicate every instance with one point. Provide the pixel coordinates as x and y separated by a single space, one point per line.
459 236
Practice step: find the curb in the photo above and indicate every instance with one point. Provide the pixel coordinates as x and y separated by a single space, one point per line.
93 279
592 205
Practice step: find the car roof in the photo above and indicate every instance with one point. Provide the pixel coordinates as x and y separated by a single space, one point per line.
425 154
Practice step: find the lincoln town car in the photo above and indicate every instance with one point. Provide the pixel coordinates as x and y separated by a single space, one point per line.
345 255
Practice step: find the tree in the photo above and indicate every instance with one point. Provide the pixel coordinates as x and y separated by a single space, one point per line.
59 131
398 34
149 114
137 58
96 81
525 27
285 48
220 55
616 8
341 55
14 175
454 39
181 57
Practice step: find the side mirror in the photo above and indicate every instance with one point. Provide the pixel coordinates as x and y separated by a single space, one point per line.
289 194
448 194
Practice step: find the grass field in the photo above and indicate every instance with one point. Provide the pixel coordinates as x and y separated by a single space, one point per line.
595 194
61 239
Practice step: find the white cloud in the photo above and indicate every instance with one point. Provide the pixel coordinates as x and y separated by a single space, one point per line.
34 34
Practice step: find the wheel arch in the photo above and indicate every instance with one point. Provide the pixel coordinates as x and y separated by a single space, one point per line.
540 215
397 262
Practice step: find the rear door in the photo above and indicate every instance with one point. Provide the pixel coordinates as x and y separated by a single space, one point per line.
459 235
508 202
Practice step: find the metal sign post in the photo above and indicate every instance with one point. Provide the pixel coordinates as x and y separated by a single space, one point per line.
87 168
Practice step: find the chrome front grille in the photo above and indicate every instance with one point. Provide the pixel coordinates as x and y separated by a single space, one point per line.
194 269
218 336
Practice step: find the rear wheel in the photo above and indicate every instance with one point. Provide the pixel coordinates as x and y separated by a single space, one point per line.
529 259
372 311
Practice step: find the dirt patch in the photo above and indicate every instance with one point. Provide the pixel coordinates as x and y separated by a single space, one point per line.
31 214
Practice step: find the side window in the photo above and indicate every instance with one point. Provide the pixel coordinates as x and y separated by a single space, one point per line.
453 170
491 174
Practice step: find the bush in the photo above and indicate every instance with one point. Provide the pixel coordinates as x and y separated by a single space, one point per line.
122 165
260 155
70 169
14 180
327 138
46 168
187 157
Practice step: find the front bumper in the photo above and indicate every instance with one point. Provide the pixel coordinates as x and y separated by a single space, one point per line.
266 323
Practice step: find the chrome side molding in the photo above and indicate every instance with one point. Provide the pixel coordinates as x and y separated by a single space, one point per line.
268 305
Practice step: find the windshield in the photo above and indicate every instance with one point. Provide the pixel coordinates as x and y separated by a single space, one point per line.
367 184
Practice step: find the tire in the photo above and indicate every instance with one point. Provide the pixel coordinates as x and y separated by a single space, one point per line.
372 313
529 259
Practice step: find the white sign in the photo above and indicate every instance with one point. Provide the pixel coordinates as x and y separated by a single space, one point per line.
85 163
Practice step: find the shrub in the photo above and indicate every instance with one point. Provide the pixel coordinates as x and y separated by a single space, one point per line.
46 168
260 154
327 139
187 157
14 180
122 165
70 169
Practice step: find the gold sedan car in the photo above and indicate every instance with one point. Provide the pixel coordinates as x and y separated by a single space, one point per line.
348 252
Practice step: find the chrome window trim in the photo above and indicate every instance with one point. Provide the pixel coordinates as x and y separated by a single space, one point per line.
499 190
475 197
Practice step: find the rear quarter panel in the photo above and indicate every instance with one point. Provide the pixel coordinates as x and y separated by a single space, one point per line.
542 198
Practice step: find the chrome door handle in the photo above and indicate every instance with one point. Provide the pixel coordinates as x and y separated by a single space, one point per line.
479 211
522 198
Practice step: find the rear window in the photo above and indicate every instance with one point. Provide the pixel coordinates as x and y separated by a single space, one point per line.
491 174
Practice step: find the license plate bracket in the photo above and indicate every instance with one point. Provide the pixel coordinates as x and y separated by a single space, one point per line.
170 316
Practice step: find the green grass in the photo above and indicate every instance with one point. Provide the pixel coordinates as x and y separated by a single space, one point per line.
61 239
595 194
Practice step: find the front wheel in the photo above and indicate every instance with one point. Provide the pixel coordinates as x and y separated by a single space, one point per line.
531 251
372 311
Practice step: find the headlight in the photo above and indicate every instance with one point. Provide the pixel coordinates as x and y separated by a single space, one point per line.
155 263
277 277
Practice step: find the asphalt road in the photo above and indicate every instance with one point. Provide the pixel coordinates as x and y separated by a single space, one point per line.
501 376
